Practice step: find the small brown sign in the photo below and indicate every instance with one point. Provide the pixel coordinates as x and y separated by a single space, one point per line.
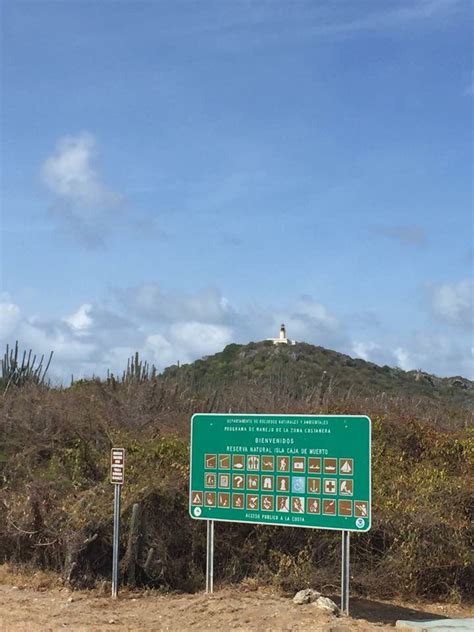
210 499
252 501
361 508
196 498
329 507
238 462
224 499
330 466
117 466
283 463
299 464
268 463
345 507
224 461
267 503
314 485
314 465
238 501
210 461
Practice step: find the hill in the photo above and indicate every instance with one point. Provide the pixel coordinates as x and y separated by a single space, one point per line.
308 371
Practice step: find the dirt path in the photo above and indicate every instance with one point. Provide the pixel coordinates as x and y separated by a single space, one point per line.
30 610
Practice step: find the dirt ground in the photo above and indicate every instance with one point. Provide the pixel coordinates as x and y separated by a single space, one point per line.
40 603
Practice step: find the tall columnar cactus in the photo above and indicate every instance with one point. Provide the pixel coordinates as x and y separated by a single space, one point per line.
138 370
26 372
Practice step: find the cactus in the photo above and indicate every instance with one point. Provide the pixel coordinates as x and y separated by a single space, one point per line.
26 372
138 370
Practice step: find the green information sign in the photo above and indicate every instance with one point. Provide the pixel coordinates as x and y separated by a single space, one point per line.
293 470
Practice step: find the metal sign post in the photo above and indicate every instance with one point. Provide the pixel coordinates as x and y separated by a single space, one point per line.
210 557
116 541
345 570
117 477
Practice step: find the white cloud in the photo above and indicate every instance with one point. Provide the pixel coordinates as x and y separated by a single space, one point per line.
81 319
365 350
199 339
82 203
454 303
403 358
9 318
69 172
150 302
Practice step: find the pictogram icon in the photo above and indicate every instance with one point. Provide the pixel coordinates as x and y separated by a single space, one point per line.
283 463
210 479
238 462
252 481
361 508
297 504
253 462
238 501
224 461
346 487
238 481
314 485
330 486
346 467
268 463
345 507
223 500
298 484
210 461
224 480
267 503
283 504
299 464
196 498
252 501
330 466
313 505
283 483
314 465
210 499
329 507
267 482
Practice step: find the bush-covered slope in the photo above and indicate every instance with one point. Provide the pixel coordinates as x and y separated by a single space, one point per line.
305 371
56 501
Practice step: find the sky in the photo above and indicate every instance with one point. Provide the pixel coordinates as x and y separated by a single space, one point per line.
177 176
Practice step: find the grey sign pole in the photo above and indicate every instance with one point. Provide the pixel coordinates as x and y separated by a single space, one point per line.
210 557
117 477
345 570
116 542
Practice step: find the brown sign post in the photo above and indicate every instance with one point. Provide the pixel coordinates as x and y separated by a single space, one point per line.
117 466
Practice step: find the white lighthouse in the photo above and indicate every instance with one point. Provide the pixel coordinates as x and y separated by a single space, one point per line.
282 339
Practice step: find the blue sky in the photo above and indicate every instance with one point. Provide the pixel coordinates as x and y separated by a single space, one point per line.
180 175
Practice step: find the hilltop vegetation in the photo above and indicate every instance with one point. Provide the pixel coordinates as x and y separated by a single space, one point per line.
56 501
309 373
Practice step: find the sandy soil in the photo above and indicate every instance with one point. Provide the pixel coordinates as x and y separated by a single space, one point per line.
33 606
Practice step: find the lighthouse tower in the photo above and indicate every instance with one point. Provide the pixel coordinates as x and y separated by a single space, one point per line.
282 339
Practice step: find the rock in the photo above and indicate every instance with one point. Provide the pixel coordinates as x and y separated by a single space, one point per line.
323 603
111 621
71 599
307 595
